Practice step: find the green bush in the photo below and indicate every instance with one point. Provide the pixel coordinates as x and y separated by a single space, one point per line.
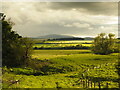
104 44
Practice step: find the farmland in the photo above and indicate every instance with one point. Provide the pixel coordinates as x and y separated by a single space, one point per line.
63 44
59 45
64 68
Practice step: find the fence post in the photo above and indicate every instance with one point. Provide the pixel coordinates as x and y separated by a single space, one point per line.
83 84
91 84
107 85
94 84
42 85
57 85
119 83
99 85
88 83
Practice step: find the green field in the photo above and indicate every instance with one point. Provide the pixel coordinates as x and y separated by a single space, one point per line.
58 44
48 54
72 41
66 68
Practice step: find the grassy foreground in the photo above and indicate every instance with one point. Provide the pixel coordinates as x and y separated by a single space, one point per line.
64 69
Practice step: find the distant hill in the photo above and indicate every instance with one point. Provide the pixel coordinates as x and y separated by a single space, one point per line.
88 38
54 36
62 37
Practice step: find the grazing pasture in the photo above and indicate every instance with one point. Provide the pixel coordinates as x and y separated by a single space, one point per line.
65 69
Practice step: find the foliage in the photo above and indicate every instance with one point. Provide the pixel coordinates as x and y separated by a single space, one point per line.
13 45
104 44
27 44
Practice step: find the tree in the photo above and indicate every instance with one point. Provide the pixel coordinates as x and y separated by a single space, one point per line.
104 44
13 45
28 45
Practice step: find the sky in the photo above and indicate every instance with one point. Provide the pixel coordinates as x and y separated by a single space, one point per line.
33 19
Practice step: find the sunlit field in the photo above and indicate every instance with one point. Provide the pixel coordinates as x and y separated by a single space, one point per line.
59 44
66 67
71 41
47 54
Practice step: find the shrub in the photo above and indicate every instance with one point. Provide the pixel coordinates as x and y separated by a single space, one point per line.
104 44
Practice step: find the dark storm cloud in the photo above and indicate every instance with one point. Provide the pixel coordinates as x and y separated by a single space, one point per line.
104 8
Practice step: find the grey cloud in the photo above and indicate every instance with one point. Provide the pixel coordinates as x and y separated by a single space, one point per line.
34 19
103 8
44 29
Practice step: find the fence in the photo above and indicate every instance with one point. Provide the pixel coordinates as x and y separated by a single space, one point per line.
85 83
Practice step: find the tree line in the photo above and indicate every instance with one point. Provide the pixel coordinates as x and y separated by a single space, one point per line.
15 49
